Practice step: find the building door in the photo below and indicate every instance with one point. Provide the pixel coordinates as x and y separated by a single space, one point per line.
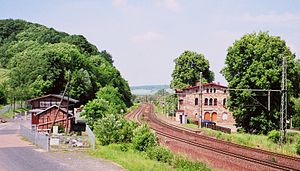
214 116
207 116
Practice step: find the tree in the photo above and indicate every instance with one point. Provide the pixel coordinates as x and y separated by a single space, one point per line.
296 117
255 62
187 70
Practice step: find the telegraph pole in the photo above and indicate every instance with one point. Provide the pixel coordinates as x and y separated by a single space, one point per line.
200 113
283 116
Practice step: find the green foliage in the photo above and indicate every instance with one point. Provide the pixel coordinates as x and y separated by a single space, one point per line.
184 164
143 138
39 58
108 101
274 136
160 154
187 70
298 147
296 117
255 62
61 128
2 95
114 129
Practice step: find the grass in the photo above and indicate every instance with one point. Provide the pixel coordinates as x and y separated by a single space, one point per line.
131 159
255 141
3 75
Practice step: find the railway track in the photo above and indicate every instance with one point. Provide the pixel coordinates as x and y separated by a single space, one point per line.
273 161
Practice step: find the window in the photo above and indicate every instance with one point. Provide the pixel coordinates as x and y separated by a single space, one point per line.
215 90
181 101
206 102
211 90
196 101
225 91
207 90
210 101
224 102
224 116
215 102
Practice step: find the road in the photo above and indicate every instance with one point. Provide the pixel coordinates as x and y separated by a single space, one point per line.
19 155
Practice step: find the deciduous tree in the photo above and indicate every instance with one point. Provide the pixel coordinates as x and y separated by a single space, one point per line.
255 62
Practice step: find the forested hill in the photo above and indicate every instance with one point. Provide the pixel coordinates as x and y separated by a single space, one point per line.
38 59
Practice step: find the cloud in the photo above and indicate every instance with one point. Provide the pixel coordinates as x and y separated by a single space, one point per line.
271 18
172 5
119 3
149 36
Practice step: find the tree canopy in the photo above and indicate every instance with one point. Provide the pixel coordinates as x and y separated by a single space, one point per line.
39 58
255 62
187 70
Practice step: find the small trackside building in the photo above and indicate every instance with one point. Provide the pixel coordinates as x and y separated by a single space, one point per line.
45 118
214 99
44 109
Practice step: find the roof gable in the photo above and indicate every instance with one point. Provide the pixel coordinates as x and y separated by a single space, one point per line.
51 107
55 96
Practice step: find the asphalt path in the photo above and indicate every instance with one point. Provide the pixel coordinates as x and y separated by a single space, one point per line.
19 155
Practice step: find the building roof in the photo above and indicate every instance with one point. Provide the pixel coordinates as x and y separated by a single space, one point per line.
197 87
57 96
53 106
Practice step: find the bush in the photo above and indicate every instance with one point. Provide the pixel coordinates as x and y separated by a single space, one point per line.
114 129
274 136
298 147
160 154
143 138
181 163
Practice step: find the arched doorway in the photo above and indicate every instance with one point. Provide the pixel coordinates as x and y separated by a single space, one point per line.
207 116
214 116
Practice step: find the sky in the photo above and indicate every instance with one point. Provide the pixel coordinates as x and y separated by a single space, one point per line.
145 36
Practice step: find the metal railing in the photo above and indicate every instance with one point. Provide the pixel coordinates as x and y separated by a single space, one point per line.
39 139
91 137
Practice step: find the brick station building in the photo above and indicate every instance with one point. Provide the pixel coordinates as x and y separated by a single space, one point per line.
214 98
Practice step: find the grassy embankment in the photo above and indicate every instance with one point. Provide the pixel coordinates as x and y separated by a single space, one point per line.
255 141
134 160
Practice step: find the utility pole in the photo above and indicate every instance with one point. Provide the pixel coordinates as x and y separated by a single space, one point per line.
200 113
283 116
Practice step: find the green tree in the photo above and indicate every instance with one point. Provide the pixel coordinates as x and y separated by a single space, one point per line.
296 117
255 62
187 70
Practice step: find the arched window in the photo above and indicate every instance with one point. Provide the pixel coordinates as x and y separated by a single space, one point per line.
206 102
215 90
210 101
224 102
224 116
196 101
211 90
181 101
215 102
207 90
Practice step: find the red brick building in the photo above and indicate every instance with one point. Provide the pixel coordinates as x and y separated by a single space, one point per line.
214 98
45 108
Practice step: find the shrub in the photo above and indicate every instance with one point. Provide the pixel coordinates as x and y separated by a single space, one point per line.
298 147
114 129
274 136
181 163
160 154
143 138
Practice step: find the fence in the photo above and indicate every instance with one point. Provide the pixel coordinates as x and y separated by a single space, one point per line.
216 127
91 136
39 139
